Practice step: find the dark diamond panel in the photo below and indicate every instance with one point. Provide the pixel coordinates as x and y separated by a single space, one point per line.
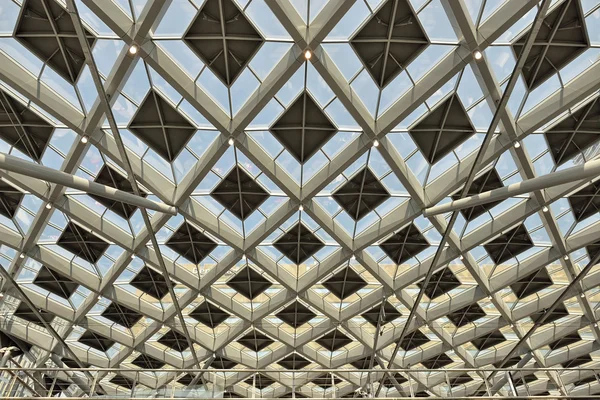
575 133
296 314
565 341
56 384
441 131
509 363
190 243
298 243
255 341
158 124
440 283
151 283
390 313
23 311
583 381
249 283
174 340
223 38
363 363
334 340
531 283
593 250
466 315
325 381
82 243
362 194
387 383
389 41
460 380
144 361
521 380
586 202
488 340
562 38
55 283
294 361
404 245
576 362
344 283
122 381
46 29
261 381
439 361
96 341
413 340
559 312
122 315
488 181
209 314
111 177
509 244
10 197
303 128
221 362
239 193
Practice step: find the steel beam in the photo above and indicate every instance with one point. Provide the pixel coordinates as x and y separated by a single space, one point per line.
588 170
19 166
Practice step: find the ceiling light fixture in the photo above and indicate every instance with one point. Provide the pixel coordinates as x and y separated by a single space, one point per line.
21 255
231 141
300 207
84 139
478 55
48 206
133 49
566 258
375 143
517 145
308 54
545 209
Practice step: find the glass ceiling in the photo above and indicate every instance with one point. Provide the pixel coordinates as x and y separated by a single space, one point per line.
300 181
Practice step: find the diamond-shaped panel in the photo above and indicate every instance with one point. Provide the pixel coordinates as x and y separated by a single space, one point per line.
361 194
46 29
122 315
122 381
586 202
190 243
96 341
223 38
144 361
174 340
221 362
390 313
296 314
440 283
509 244
151 283
249 283
437 362
23 311
326 381
293 361
405 244
488 181
303 128
466 315
158 124
260 382
561 38
559 312
531 283
209 314
239 193
389 41
460 380
413 340
109 176
565 341
334 340
576 362
488 340
255 341
575 133
298 243
55 283
441 131
10 197
345 283
82 243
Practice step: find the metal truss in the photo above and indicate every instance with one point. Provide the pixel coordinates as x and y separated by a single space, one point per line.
50 344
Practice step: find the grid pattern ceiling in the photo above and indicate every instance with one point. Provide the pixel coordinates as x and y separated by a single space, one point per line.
299 243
